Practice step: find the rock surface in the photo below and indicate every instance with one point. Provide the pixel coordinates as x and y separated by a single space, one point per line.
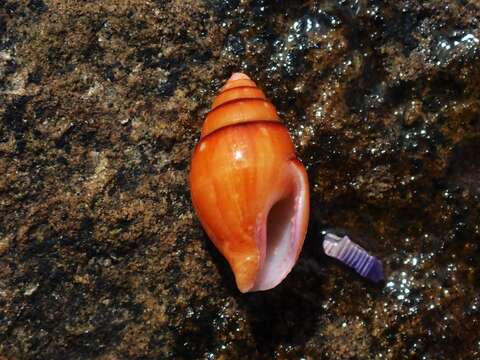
101 103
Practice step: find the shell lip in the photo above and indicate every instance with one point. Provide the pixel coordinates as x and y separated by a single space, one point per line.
280 235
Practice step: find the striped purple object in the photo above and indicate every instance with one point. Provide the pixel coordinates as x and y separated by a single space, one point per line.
353 256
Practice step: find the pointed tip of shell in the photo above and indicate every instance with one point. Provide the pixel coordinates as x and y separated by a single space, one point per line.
238 76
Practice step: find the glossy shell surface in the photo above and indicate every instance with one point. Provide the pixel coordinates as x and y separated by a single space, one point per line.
249 190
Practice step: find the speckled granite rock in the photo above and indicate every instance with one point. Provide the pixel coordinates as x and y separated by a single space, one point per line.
101 104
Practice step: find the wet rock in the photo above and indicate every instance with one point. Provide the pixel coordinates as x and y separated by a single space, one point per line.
101 255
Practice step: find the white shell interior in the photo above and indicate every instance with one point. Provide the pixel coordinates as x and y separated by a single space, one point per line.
283 234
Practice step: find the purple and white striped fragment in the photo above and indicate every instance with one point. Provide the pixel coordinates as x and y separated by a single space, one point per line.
353 256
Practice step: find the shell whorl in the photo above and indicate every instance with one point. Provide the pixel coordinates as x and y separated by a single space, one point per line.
249 190
239 101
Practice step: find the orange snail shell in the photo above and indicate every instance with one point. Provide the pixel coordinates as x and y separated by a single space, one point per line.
248 189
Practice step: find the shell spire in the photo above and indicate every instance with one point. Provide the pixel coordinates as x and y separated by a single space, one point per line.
239 101
354 256
248 189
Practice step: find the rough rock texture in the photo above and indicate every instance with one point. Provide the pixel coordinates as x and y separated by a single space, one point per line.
101 103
